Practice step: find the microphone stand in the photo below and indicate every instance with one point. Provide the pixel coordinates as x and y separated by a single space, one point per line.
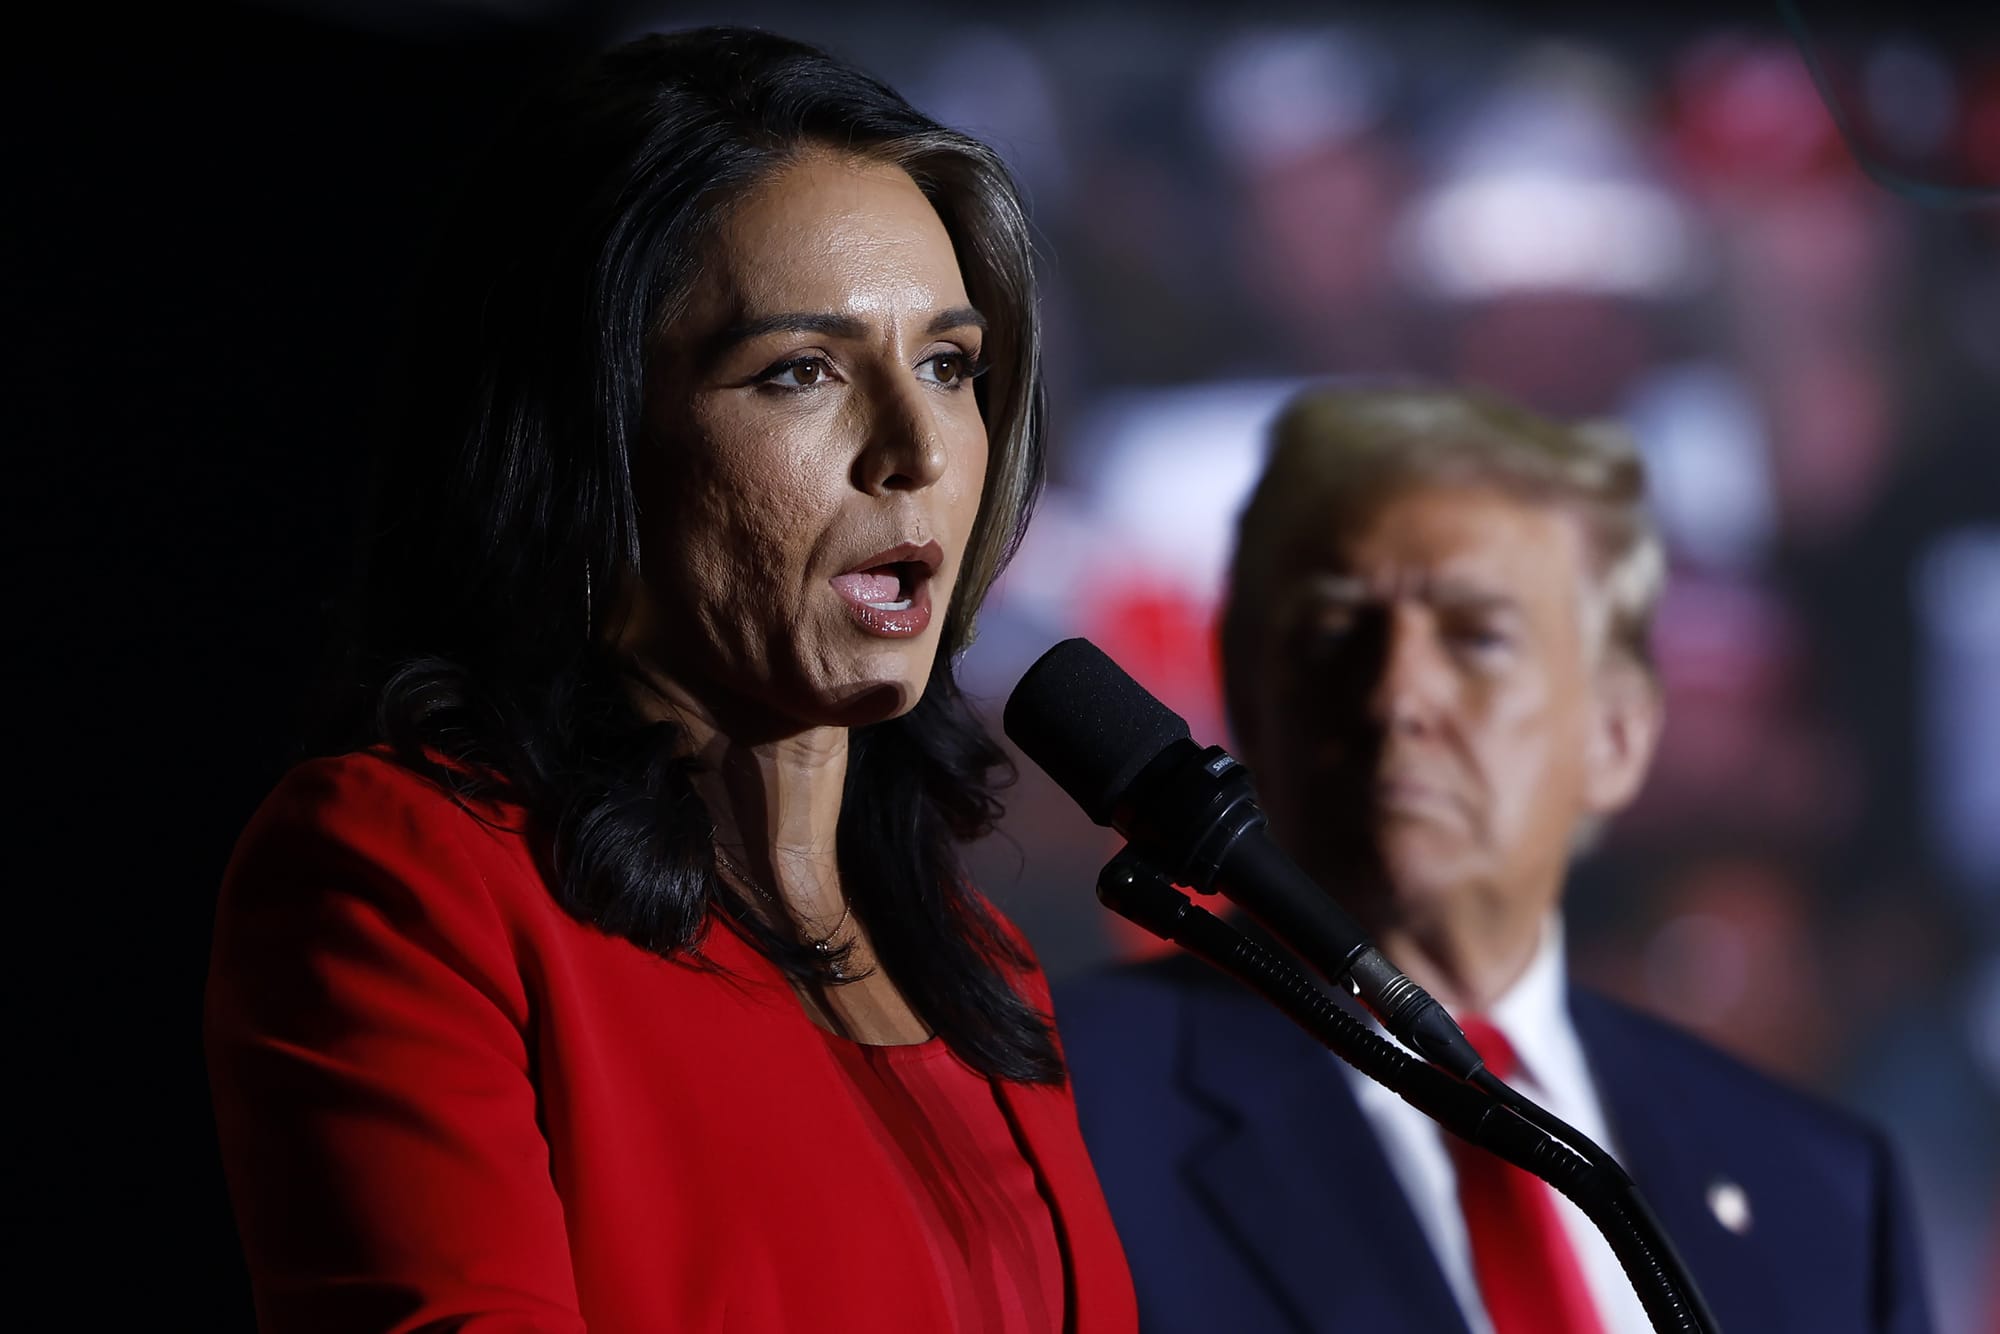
1484 1111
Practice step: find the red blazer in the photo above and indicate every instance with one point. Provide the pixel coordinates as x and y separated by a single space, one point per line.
446 1104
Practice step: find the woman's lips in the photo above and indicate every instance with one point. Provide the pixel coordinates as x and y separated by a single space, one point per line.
889 593
893 601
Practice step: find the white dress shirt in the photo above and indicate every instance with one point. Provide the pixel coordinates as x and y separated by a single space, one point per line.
1534 1017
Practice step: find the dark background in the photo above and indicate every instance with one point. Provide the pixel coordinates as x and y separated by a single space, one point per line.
210 221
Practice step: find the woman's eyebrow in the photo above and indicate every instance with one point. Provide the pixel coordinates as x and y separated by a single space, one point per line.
958 317
832 325
795 321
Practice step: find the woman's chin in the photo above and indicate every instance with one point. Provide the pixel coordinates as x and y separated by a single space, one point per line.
879 684
872 690
867 703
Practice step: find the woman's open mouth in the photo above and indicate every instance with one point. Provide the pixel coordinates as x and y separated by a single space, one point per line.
890 593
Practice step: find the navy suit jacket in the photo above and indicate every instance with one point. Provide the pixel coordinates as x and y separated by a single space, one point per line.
1252 1195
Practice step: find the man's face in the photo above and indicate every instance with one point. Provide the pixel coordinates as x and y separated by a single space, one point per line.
1429 728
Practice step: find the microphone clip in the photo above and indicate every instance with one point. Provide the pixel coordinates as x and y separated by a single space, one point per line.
1187 809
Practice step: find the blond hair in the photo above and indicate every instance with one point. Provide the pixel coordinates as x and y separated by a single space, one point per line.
1339 453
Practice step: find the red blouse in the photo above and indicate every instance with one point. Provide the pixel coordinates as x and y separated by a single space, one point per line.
446 1104
990 1238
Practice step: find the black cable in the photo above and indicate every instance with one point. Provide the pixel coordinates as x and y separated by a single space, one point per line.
1619 1181
1486 1112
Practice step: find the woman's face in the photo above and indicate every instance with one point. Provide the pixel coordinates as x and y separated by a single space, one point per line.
815 455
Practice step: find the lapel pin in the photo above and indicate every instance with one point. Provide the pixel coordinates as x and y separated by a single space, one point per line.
1730 1204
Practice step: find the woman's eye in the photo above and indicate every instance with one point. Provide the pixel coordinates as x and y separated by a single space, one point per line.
953 369
803 373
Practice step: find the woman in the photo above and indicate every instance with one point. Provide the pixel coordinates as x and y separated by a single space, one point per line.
625 977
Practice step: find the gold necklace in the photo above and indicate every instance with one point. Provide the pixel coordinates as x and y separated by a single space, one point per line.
823 946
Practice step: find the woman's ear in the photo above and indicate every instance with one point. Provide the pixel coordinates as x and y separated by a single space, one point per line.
1625 730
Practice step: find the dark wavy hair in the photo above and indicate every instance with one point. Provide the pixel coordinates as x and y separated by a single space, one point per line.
503 514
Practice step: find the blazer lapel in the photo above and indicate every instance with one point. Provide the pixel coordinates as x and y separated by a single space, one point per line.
1674 1169
1101 1297
1296 1178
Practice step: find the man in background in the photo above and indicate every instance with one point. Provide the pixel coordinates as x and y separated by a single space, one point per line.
1436 663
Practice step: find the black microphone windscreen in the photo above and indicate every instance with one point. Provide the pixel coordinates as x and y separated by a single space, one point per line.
1089 726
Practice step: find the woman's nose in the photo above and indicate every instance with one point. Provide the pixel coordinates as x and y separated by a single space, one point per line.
905 450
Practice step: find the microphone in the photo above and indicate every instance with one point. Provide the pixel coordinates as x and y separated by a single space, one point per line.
1132 765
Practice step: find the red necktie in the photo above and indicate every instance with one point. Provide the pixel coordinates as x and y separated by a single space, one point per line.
1529 1277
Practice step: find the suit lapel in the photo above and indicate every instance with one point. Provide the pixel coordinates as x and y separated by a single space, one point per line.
1296 1178
1100 1297
1674 1168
